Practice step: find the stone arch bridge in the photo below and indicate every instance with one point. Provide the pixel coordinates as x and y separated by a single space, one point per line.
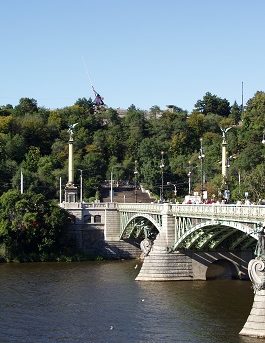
186 239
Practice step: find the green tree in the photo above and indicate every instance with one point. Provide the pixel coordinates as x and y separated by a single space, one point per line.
6 110
86 104
32 159
254 183
134 126
154 111
235 114
15 147
26 105
5 123
254 119
30 226
149 162
212 104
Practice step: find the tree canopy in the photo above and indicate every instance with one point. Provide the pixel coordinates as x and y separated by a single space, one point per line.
213 104
34 139
31 227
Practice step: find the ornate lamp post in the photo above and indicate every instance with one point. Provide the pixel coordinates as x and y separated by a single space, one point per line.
135 179
189 176
201 158
111 185
22 183
111 182
175 189
162 165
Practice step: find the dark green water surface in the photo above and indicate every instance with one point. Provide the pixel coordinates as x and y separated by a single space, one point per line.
100 302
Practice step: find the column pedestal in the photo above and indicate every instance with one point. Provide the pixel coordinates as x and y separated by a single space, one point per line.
255 324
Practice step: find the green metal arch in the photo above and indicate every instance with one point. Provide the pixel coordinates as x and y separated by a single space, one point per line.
233 225
140 215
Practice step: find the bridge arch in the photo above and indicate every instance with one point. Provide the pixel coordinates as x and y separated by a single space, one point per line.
204 233
135 220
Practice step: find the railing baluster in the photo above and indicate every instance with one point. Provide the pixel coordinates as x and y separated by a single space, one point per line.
248 213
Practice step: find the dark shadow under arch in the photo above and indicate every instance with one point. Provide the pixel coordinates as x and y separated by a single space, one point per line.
222 269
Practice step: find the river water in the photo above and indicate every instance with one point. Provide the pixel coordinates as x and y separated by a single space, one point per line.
100 302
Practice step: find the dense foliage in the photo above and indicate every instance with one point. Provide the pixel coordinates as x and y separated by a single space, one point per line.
34 139
31 227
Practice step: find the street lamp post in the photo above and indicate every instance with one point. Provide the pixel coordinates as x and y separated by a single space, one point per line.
111 182
111 185
175 189
21 182
81 185
135 179
239 184
162 165
201 157
60 192
189 176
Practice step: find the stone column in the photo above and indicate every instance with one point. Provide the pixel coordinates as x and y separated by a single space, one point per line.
70 188
224 153
70 162
112 223
168 226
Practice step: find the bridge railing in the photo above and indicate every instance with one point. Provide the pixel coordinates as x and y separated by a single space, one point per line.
141 207
235 212
83 205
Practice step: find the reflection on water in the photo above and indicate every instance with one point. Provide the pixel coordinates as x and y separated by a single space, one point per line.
100 302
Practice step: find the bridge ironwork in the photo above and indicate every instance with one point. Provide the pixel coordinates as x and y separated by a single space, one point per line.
195 226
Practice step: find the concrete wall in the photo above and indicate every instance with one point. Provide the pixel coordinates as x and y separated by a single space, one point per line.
112 225
96 216
90 240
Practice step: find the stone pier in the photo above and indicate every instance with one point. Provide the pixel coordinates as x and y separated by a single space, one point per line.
160 265
255 324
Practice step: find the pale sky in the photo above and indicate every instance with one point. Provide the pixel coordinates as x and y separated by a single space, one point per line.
141 52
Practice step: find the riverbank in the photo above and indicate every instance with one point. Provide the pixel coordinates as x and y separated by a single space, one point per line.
100 251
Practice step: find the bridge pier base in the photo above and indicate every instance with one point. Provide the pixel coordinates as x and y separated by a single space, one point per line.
160 265
255 324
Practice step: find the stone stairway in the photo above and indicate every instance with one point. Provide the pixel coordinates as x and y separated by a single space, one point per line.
125 194
118 250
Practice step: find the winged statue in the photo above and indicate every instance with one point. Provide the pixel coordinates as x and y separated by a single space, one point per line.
71 129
